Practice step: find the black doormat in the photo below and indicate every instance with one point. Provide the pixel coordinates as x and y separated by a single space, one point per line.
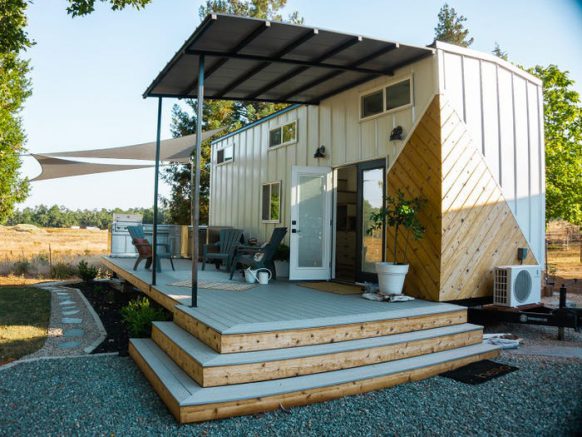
479 372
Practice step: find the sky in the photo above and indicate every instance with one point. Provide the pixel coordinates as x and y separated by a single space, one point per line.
89 73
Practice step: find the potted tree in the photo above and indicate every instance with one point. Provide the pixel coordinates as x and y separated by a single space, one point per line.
281 259
401 214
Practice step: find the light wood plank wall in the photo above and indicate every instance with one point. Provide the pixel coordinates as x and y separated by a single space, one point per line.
470 226
417 173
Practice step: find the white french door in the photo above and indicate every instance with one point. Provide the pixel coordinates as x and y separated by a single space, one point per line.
310 238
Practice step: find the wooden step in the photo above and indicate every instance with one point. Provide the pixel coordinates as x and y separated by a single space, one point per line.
294 333
189 402
210 368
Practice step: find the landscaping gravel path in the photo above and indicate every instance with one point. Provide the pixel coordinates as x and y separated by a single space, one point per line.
107 395
74 328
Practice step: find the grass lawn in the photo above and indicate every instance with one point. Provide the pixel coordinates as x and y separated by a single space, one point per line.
24 318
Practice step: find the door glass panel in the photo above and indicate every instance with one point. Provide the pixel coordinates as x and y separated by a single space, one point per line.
311 204
372 200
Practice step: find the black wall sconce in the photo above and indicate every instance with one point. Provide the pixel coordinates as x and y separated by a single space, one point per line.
396 133
320 152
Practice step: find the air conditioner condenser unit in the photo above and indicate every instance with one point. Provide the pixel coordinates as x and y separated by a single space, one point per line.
517 285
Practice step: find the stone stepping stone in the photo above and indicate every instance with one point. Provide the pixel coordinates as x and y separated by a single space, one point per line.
71 320
73 333
71 312
69 344
67 302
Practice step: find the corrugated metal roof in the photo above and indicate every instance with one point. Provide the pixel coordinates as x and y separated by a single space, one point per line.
259 60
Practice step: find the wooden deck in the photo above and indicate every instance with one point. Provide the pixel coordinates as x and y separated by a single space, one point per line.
281 305
241 352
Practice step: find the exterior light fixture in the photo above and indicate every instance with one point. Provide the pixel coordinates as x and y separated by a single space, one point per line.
396 134
320 152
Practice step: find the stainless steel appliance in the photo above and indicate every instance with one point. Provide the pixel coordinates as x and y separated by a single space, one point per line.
178 237
119 239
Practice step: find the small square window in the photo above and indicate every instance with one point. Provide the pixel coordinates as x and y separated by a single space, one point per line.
275 137
271 202
398 95
283 134
225 154
372 104
290 132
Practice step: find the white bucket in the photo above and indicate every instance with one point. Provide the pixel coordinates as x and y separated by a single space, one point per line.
264 276
250 276
391 277
261 275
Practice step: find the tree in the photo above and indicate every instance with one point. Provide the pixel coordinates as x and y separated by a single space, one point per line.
15 88
500 53
217 114
450 28
563 138
79 8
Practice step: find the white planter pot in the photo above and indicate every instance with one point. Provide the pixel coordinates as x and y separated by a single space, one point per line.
282 269
391 277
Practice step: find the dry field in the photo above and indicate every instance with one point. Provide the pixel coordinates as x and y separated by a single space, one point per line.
26 241
27 252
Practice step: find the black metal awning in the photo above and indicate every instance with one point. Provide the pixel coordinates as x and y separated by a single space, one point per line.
258 60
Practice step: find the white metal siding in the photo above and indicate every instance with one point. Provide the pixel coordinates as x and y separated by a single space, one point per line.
335 124
501 106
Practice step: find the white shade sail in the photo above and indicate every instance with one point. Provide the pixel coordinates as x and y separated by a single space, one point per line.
54 168
174 150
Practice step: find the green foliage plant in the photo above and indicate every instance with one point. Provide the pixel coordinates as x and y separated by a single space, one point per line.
21 268
282 253
399 212
450 28
62 270
16 87
563 144
86 271
138 316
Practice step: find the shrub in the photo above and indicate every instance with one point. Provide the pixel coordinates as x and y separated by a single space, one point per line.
282 253
87 272
21 268
41 258
138 316
63 270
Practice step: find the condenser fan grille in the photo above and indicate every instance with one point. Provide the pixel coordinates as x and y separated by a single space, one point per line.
522 286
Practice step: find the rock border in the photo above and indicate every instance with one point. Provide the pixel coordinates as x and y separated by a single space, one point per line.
84 322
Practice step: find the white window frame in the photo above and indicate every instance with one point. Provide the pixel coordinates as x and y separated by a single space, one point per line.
224 147
383 88
270 184
286 143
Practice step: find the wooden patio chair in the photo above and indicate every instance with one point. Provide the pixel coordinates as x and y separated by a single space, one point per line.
144 249
228 241
261 256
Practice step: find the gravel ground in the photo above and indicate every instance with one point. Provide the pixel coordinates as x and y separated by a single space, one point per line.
109 396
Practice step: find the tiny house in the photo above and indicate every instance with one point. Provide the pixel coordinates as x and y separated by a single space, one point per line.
367 119
460 128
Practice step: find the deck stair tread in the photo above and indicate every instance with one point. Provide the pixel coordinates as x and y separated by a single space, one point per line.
187 392
208 357
273 319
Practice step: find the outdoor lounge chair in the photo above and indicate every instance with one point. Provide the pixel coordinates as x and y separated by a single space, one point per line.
228 241
261 256
144 249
